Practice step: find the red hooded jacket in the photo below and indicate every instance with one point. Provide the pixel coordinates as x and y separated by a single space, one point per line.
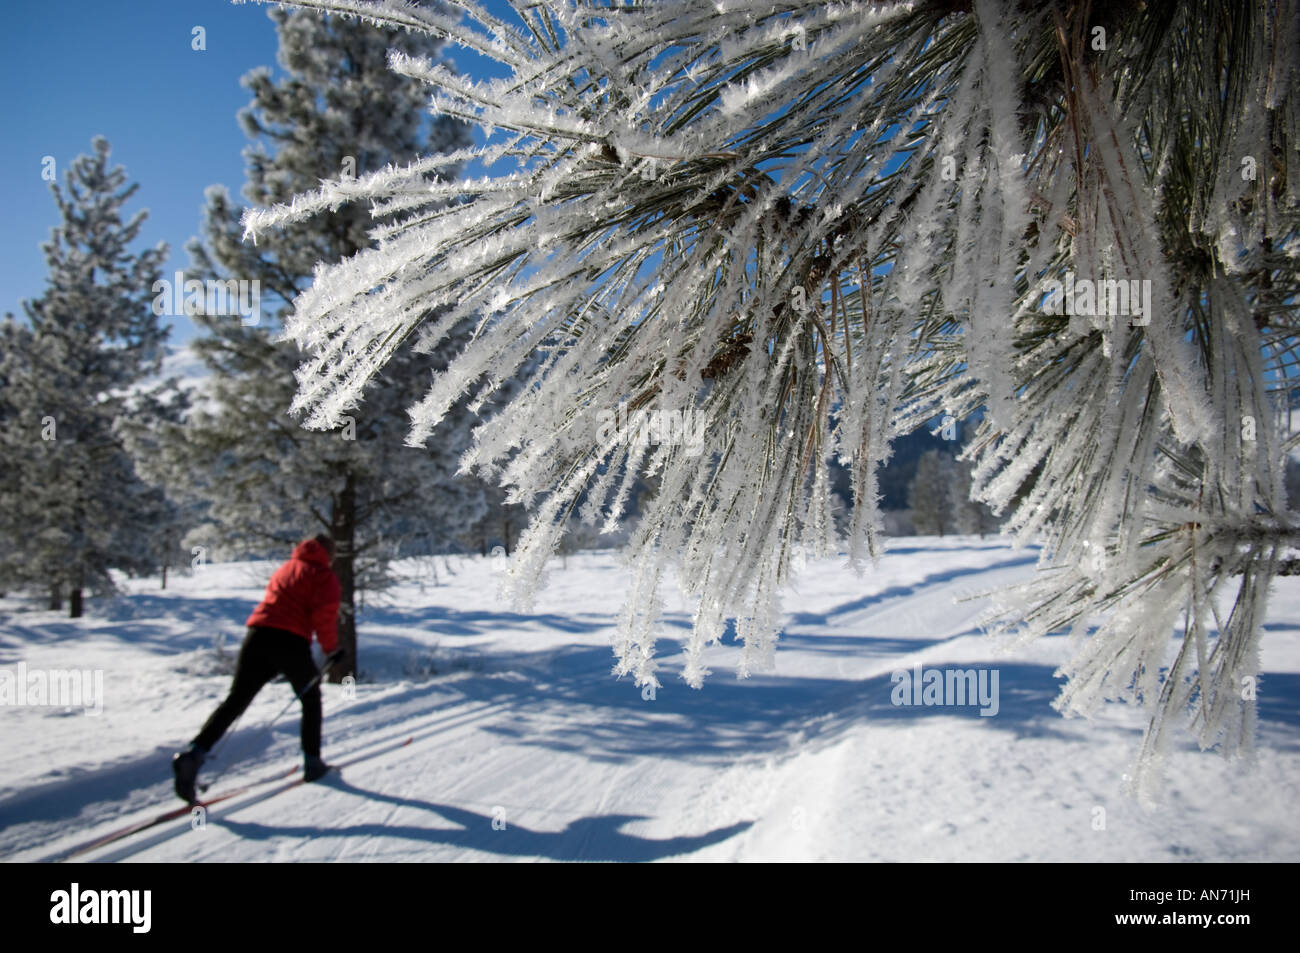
303 595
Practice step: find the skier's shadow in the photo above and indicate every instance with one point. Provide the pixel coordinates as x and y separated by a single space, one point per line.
596 838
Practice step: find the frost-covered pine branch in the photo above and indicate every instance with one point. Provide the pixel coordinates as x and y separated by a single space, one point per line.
800 229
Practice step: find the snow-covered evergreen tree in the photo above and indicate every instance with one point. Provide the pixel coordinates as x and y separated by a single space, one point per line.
19 467
153 414
812 227
337 111
71 503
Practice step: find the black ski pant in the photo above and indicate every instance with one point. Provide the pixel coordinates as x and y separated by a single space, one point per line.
265 654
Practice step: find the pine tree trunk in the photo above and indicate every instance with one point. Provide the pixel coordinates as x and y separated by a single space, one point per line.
74 603
56 598
343 529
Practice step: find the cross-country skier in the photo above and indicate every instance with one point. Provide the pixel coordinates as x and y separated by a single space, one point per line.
303 595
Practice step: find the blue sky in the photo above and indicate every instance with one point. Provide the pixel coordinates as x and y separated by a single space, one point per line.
125 69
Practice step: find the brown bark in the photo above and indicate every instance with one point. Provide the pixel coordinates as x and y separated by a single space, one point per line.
343 529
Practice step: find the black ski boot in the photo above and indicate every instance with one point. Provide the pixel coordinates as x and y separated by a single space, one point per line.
313 768
185 765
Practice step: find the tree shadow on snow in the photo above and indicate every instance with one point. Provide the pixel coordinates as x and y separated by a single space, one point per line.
903 591
1278 703
575 706
153 623
592 838
444 620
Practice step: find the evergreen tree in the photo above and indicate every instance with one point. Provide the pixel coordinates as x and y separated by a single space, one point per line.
72 504
338 112
818 226
154 414
18 468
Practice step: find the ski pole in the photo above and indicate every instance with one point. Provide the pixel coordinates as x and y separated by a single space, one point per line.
329 663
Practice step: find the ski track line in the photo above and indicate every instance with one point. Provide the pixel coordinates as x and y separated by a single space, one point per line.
358 843
246 778
486 774
406 728
352 845
358 846
243 777
367 753
373 750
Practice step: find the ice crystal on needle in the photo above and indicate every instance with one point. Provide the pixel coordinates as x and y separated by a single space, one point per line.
811 227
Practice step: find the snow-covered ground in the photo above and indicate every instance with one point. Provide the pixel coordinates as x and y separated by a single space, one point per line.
524 747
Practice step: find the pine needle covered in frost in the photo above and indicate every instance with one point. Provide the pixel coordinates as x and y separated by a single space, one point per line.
806 228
